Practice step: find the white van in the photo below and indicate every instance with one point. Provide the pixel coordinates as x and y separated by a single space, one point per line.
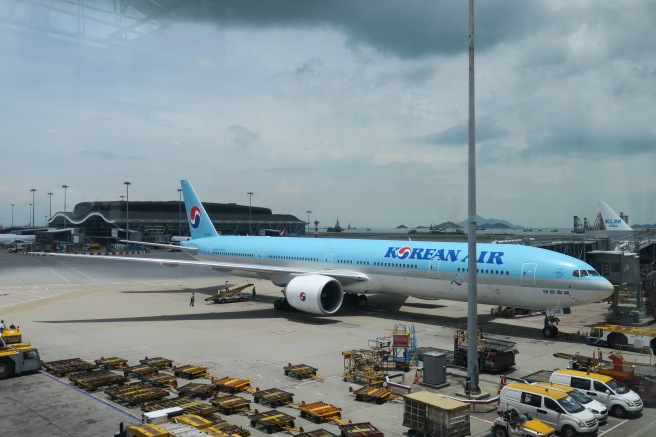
597 408
553 407
619 399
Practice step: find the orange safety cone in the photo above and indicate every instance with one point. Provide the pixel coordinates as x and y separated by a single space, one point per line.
416 381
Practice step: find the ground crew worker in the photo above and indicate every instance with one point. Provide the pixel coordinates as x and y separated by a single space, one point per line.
253 293
193 298
2 326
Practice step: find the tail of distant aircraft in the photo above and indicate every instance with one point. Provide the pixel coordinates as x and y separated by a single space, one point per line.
612 221
283 231
200 224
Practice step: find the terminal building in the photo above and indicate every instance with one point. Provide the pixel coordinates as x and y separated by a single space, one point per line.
106 222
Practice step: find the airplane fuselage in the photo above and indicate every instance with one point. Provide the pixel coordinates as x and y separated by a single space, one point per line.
508 275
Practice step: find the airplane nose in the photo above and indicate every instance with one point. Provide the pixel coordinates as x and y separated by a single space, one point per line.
605 289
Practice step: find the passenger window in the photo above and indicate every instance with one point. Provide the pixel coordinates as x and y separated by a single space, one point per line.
599 386
531 399
550 404
581 383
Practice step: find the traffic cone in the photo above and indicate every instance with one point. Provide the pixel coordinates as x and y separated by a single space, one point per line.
416 381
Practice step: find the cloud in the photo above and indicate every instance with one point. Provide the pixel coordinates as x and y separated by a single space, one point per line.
241 136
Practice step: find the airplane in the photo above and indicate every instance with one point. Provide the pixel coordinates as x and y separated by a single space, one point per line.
320 274
7 239
612 221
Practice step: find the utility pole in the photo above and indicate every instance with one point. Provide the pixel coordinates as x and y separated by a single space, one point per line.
50 194
472 294
64 187
250 227
33 190
127 209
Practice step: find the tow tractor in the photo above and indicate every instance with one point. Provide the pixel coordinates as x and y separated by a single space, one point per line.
18 358
512 424
11 335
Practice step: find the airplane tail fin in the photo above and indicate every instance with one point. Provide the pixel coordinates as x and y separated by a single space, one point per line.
612 221
283 231
200 224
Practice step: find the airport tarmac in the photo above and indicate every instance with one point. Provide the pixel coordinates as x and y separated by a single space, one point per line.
89 309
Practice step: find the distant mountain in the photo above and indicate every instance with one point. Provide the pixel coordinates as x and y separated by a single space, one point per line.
491 223
401 227
446 225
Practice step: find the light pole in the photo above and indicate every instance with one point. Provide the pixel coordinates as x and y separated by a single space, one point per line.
50 194
30 217
12 217
33 190
64 187
308 222
180 211
250 230
127 208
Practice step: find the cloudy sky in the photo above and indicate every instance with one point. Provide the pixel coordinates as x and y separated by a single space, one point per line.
356 109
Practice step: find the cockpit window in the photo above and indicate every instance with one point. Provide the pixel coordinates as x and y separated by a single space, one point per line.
584 273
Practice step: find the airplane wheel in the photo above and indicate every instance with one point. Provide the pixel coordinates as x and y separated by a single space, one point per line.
550 331
362 299
277 304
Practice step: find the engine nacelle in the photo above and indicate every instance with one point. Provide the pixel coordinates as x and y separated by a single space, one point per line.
315 294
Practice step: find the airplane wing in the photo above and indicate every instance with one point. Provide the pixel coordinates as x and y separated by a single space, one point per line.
345 277
162 246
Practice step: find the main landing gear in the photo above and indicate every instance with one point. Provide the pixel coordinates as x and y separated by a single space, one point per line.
550 329
282 305
355 299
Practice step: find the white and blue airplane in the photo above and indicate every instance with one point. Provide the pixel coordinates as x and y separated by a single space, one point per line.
319 274
8 239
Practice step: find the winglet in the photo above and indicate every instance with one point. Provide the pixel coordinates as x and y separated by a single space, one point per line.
612 221
200 224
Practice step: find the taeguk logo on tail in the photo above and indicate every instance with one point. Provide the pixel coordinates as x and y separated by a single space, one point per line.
194 216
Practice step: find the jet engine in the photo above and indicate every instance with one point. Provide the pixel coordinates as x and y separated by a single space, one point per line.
315 294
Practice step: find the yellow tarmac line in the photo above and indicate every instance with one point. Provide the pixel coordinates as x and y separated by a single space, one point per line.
24 307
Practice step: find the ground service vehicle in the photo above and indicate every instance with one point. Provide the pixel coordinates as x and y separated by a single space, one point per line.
428 414
227 294
553 407
597 408
494 355
11 335
619 399
18 358
639 378
512 424
619 337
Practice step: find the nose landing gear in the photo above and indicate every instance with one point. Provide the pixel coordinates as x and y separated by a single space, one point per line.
550 329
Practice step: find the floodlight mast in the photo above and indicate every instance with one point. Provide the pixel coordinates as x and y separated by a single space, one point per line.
472 295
